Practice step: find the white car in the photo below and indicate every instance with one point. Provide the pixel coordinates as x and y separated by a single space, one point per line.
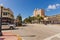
9 26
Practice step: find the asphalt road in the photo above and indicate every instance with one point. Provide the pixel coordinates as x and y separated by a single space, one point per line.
38 32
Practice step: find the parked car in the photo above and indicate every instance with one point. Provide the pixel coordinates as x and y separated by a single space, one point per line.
9 26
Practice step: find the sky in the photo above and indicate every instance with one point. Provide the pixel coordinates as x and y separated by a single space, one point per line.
26 7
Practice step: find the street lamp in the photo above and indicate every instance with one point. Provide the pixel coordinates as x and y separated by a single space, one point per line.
1 22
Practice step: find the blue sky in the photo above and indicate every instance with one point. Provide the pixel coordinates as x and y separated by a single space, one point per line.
26 7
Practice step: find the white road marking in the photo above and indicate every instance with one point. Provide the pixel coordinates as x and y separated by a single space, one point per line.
23 38
49 38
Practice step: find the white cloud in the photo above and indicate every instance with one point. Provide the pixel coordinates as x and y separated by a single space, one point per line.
57 4
52 7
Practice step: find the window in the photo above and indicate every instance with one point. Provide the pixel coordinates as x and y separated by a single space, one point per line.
5 13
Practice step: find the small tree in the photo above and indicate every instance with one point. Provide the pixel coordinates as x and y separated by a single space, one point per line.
30 19
39 18
19 18
26 20
33 18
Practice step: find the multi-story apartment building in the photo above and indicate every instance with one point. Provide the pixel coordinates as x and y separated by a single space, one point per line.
7 15
39 12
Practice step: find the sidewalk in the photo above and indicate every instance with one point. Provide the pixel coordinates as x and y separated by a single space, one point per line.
9 36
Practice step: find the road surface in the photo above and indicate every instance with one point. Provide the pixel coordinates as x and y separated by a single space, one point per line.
38 32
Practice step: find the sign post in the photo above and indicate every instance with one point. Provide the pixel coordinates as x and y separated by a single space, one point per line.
1 21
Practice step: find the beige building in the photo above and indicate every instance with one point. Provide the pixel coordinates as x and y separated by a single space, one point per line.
39 12
55 19
7 15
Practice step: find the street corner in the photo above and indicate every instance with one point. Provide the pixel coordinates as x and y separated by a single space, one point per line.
10 36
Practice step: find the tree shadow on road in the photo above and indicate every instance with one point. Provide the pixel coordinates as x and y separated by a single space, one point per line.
24 25
29 36
11 29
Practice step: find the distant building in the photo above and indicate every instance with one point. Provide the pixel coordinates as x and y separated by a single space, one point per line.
40 12
7 15
55 19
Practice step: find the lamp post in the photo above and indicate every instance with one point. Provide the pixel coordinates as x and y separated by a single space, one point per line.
1 22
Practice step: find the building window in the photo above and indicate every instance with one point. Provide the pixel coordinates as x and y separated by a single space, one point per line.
5 13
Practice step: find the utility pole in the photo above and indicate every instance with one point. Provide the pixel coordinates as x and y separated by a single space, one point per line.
1 21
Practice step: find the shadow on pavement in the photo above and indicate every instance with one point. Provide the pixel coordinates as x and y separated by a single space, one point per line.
24 25
11 29
29 36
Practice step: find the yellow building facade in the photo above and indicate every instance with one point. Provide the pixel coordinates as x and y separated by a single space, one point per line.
39 12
